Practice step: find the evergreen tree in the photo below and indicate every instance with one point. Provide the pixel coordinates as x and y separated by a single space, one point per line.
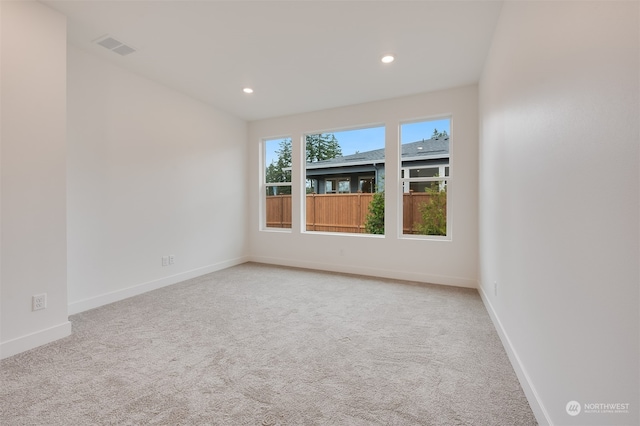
374 223
284 161
322 147
318 147
276 172
437 134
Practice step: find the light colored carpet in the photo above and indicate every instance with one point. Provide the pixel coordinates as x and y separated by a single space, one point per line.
263 345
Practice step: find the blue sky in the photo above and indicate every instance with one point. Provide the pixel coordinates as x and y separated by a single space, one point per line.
373 138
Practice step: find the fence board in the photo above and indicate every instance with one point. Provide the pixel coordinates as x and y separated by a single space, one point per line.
337 212
411 216
341 212
278 209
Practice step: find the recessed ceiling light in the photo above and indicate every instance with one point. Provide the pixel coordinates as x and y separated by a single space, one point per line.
387 59
247 90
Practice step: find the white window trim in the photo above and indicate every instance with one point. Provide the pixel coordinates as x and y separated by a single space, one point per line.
262 218
440 178
310 166
447 179
277 184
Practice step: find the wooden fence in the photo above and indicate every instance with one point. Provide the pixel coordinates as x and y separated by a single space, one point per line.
341 212
278 211
411 216
338 212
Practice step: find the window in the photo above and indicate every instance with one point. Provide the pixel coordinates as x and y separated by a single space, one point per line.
344 173
277 183
417 172
337 185
366 184
425 176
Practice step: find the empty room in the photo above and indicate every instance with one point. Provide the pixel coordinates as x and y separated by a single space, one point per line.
319 212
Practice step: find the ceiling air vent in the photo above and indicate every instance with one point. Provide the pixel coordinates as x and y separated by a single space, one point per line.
115 45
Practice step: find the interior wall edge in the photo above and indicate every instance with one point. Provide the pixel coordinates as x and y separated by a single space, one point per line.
35 339
371 272
125 293
528 387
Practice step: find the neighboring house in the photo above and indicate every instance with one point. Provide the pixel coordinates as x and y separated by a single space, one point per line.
364 171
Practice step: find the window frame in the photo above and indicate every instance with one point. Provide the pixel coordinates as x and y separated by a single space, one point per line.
440 178
444 181
337 180
264 185
371 178
303 224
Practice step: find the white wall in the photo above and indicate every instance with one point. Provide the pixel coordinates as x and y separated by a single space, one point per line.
151 173
33 173
444 262
559 202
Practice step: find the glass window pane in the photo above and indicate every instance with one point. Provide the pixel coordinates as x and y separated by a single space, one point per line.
277 169
335 161
425 154
366 185
277 165
422 186
312 186
278 207
344 186
424 172
425 209
330 186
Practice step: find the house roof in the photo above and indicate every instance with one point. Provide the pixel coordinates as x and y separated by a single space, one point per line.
425 149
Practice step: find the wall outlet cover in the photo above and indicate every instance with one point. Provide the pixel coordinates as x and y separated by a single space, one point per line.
39 301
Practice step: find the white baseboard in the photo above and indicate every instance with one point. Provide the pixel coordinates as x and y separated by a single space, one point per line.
114 296
33 340
368 271
542 416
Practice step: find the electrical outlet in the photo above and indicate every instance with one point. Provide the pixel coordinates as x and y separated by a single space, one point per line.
495 288
39 301
172 259
165 260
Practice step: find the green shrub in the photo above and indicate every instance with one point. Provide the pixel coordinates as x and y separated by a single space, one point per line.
434 212
374 224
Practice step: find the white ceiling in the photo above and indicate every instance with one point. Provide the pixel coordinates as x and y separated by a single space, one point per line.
298 56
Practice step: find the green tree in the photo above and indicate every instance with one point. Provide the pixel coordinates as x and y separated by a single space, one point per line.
437 134
318 147
280 170
434 211
322 146
374 223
